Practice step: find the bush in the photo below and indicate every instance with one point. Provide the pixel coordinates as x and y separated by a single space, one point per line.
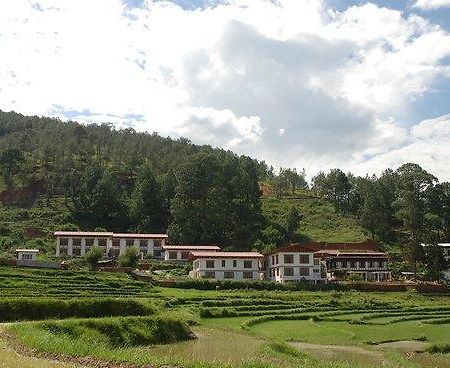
94 255
439 349
44 308
130 258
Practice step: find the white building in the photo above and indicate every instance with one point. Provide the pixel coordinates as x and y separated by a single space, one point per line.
226 265
294 263
181 252
78 243
27 254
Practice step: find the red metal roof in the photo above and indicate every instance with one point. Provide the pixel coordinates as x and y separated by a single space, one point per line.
83 233
196 254
140 236
191 247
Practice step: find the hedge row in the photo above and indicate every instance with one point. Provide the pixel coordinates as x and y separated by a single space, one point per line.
43 308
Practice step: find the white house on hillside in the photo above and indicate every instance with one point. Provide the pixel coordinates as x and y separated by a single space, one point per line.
294 263
181 252
226 265
78 243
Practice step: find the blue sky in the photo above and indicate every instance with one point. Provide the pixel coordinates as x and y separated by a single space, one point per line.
301 83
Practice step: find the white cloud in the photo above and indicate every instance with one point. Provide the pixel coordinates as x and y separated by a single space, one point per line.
290 82
427 145
432 4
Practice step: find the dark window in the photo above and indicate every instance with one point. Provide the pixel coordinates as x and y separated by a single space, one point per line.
143 243
362 264
352 264
276 259
344 264
76 242
316 262
64 241
89 242
184 255
210 274
248 264
129 242
223 263
288 271
172 255
234 263
228 275
102 242
247 275
76 252
288 258
304 258
157 253
304 271
210 264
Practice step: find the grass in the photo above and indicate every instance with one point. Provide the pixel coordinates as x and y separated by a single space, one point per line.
16 282
320 220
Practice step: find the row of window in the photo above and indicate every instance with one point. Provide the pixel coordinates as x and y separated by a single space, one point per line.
102 242
360 264
27 257
174 255
229 275
289 258
289 271
212 263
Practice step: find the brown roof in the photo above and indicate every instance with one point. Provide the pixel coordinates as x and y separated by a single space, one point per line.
83 233
140 236
324 247
191 247
203 254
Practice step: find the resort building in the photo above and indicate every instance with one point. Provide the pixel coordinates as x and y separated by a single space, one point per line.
294 263
226 265
78 243
342 260
181 252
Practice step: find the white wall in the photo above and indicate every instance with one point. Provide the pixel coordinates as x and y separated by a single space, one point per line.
200 269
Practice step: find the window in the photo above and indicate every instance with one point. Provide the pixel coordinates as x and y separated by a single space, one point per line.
143 243
129 242
76 242
172 255
157 253
288 271
276 259
223 263
116 243
304 258
316 270
371 264
234 263
157 243
210 274
210 263
273 259
316 262
247 275
278 271
228 275
288 258
76 252
248 264
352 264
63 241
102 242
27 257
344 264
304 271
362 264
184 255
90 242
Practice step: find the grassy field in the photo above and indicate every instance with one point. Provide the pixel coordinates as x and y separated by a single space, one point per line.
251 329
320 220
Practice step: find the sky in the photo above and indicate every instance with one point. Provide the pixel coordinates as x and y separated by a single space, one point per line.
313 84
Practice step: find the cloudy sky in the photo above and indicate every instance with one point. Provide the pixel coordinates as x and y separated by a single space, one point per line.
298 83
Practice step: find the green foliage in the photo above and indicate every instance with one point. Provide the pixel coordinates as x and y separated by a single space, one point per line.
130 258
19 309
94 255
439 349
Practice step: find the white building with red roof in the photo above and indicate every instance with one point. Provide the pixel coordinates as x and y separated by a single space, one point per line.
226 265
78 243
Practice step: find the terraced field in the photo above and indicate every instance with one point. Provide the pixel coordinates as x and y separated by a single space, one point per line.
16 282
233 328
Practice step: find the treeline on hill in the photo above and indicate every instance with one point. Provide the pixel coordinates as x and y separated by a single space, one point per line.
122 180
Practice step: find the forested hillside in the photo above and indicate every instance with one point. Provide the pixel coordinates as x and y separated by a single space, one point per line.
64 175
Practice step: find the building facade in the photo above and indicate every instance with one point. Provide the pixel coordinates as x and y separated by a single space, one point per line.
181 252
243 266
294 263
78 243
27 254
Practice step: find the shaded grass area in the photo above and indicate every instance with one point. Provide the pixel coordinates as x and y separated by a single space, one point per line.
17 309
320 220
18 282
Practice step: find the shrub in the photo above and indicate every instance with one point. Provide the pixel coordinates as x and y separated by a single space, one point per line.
44 308
94 255
130 258
439 348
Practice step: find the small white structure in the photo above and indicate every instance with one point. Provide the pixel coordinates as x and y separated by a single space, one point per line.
28 255
294 263
78 243
226 265
181 252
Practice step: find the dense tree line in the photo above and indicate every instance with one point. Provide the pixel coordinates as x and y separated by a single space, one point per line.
122 180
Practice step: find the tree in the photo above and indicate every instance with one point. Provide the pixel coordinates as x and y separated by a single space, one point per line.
435 262
94 255
292 222
147 211
130 258
10 162
334 186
